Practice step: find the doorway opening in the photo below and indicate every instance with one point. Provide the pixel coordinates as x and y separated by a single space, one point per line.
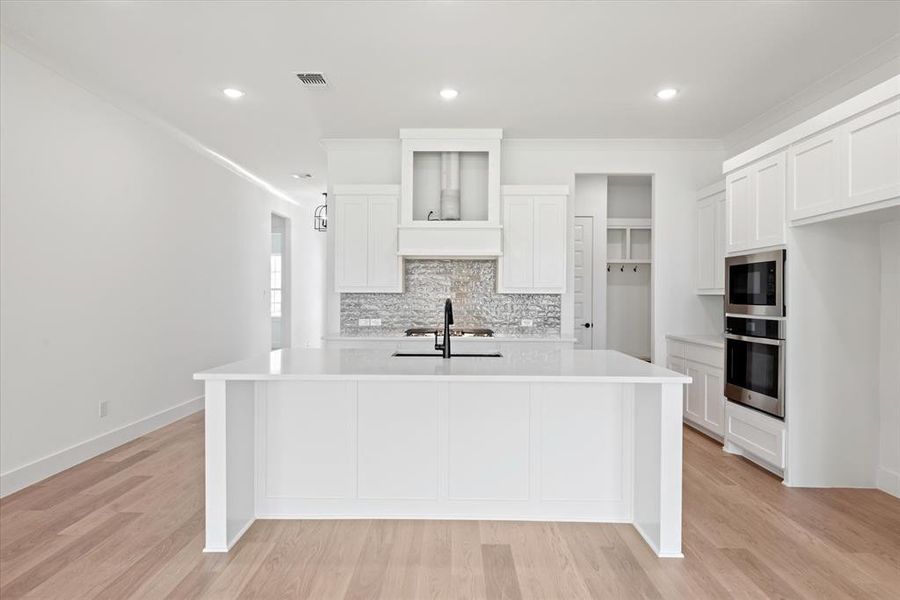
612 239
280 282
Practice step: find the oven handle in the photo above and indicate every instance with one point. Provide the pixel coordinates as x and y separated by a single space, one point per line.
754 340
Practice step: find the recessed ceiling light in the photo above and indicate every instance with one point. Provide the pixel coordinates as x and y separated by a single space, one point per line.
666 93
449 94
233 93
301 175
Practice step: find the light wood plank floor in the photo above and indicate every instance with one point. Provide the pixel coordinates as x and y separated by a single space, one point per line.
129 524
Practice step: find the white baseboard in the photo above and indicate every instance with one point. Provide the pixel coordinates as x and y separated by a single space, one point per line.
15 480
888 481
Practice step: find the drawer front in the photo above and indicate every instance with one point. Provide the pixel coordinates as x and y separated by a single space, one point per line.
758 434
675 348
707 355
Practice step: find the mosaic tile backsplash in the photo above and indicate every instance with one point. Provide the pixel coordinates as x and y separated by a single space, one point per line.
470 284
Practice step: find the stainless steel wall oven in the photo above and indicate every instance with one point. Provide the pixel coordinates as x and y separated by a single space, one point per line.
754 363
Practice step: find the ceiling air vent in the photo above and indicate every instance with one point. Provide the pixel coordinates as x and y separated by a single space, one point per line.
312 79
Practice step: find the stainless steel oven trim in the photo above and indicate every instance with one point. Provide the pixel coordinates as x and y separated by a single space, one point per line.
749 309
768 404
755 340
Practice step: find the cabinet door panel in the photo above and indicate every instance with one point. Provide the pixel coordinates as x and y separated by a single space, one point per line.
397 433
714 399
518 242
383 262
706 244
769 200
351 243
489 441
873 156
695 404
550 243
719 282
815 181
677 364
740 217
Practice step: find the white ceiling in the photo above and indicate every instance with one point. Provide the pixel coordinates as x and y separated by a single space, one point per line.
536 69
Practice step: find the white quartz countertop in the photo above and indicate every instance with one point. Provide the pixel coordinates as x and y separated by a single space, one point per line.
520 364
714 341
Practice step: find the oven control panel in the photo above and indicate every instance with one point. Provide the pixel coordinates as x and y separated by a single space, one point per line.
763 328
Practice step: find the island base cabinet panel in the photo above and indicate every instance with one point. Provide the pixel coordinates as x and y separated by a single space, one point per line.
563 451
308 444
397 441
489 441
229 448
445 450
657 466
576 421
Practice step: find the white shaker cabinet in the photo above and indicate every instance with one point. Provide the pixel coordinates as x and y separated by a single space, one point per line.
849 168
711 240
534 240
755 199
843 161
365 239
702 358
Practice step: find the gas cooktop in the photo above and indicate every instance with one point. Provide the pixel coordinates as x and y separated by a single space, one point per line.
457 332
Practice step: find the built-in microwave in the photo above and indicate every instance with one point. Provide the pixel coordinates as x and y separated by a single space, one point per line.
754 363
754 284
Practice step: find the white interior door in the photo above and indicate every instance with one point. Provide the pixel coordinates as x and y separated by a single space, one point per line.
583 235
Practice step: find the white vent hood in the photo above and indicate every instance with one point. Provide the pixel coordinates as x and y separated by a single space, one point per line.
450 193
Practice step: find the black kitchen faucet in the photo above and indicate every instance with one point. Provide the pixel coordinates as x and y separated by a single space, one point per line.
448 321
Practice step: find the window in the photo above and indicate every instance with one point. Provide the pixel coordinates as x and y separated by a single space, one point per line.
275 273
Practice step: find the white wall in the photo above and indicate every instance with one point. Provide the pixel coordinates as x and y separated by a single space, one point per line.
888 476
833 298
129 261
307 276
630 197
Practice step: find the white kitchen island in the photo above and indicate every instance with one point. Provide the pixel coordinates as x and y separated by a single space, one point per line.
538 434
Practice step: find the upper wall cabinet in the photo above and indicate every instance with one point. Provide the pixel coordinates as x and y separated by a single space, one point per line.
534 240
711 240
450 192
754 205
852 166
843 161
365 238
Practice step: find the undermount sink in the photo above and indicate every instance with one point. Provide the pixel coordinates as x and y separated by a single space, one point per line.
454 355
